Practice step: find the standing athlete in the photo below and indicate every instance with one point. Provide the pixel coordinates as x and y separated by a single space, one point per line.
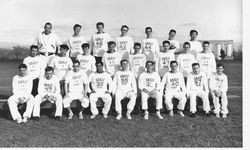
195 46
174 44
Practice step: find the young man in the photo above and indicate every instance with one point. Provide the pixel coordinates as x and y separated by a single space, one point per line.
35 66
206 59
99 42
137 61
150 45
48 90
164 59
48 42
87 61
22 86
174 44
75 42
101 84
61 65
175 88
150 86
124 43
197 85
111 59
185 60
219 86
76 87
195 46
124 86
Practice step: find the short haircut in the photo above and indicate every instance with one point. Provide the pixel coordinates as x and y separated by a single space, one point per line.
137 44
148 28
149 61
195 64
84 45
99 23
166 41
193 31
187 43
220 65
33 47
123 61
77 25
49 68
76 61
64 46
99 62
173 62
111 43
48 23
22 66
125 26
172 30
205 42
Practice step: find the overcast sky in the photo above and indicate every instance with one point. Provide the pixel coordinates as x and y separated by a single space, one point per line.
23 20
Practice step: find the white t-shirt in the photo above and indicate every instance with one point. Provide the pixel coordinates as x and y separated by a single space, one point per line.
174 82
99 43
124 46
75 45
197 82
111 62
50 86
137 64
87 63
207 63
35 66
124 81
149 81
185 62
61 66
218 82
150 48
100 82
195 47
22 86
76 81
163 62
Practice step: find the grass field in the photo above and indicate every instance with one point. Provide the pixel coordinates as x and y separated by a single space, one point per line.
169 132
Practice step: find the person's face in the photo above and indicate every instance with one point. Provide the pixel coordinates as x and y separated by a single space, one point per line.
47 28
33 52
137 49
196 69
85 50
76 67
148 32
100 28
111 47
124 65
193 35
166 47
186 47
205 47
99 67
171 35
48 74
173 67
63 51
124 31
77 30
22 72
220 70
150 67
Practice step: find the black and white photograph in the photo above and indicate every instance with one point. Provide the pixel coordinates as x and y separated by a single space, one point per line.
122 74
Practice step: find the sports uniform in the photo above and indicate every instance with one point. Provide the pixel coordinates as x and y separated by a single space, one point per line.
195 47
150 47
124 46
137 64
87 63
75 43
207 63
185 62
163 62
111 62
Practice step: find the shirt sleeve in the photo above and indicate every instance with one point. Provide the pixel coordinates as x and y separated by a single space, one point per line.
225 84
14 86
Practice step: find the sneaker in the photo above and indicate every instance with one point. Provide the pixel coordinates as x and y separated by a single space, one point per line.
119 116
36 118
217 115
192 115
171 113
129 116
19 120
92 116
57 118
146 116
70 115
80 116
181 113
105 116
25 119
159 115
224 115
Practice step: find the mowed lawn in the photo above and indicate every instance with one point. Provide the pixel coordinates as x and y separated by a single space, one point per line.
169 132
